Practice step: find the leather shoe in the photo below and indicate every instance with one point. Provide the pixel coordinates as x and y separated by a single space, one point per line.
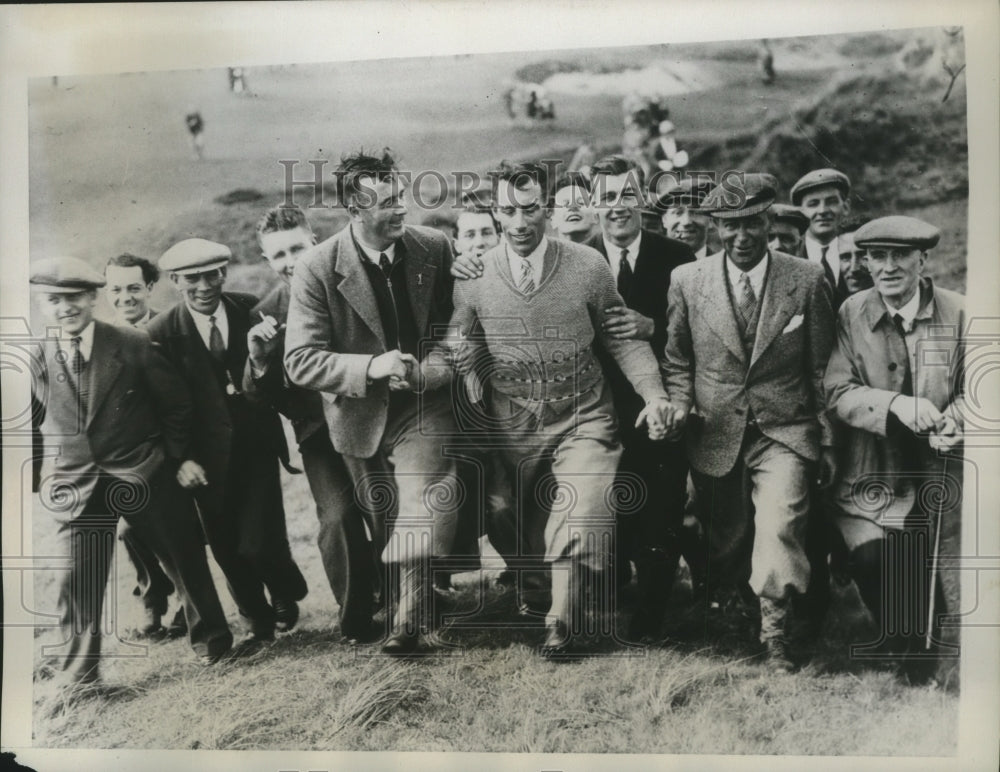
152 627
206 660
286 614
401 644
361 634
178 627
252 643
558 646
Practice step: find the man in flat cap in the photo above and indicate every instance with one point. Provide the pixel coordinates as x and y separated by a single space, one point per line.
749 332
895 382
237 444
788 226
683 219
120 417
822 195
366 305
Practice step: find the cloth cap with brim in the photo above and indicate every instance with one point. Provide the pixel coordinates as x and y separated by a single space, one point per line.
743 196
689 191
819 178
66 275
790 214
897 231
194 256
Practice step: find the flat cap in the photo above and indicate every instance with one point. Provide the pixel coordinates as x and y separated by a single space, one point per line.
897 230
64 274
817 178
790 214
689 191
742 196
194 256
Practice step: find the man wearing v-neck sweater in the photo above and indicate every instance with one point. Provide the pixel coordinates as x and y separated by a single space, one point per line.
533 319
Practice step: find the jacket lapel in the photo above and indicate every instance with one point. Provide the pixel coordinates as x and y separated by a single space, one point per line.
354 285
105 366
777 308
717 308
419 281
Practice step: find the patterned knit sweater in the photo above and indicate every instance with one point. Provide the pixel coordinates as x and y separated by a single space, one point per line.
539 347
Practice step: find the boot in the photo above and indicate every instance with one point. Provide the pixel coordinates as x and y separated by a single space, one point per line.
773 616
564 618
655 570
412 610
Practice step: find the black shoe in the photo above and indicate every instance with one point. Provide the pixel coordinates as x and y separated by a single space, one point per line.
286 614
401 644
178 627
251 644
359 635
558 645
152 628
507 580
207 660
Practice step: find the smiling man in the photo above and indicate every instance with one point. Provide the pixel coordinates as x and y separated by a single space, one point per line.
536 316
236 444
749 332
683 218
822 195
573 217
130 281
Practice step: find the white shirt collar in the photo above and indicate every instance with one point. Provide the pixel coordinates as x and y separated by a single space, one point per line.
755 274
615 254
908 311
204 324
536 258
814 251
371 254
86 337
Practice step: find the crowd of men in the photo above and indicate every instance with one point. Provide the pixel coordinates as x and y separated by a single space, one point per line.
589 375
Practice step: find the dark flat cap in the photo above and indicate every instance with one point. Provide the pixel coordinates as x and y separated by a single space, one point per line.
897 230
689 191
194 256
741 196
64 274
790 214
818 178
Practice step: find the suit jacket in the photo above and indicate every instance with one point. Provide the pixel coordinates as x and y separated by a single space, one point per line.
706 368
139 412
303 407
216 415
658 257
334 329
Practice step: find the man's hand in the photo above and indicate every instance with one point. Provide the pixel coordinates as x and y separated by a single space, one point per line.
946 438
262 340
827 467
412 379
662 419
191 475
625 324
917 414
391 363
467 267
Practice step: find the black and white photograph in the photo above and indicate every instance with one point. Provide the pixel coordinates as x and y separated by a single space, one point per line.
505 385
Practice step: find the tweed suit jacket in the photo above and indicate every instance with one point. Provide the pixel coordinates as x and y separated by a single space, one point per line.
707 370
139 413
334 329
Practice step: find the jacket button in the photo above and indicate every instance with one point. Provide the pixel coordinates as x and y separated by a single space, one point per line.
892 366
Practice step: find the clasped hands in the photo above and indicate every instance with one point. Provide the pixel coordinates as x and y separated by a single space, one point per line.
920 416
401 370
663 420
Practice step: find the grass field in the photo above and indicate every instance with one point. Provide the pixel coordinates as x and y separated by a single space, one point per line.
111 170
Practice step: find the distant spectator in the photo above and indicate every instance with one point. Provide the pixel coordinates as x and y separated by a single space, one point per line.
196 126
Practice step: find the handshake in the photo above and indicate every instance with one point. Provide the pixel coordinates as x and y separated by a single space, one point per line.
663 420
402 370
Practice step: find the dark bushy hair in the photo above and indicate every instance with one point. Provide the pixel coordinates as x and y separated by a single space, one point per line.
521 175
150 273
576 179
281 218
614 165
355 166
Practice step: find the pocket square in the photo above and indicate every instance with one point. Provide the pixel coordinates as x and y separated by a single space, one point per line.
793 324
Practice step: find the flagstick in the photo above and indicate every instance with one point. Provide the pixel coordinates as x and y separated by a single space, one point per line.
934 562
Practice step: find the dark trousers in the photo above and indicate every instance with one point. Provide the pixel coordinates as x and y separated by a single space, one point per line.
244 522
160 518
152 584
349 557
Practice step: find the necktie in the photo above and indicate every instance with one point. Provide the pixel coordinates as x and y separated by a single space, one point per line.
748 301
384 264
624 275
215 343
907 390
79 371
526 284
827 269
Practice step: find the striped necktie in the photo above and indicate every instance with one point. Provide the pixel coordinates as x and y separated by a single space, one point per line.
747 299
79 365
526 285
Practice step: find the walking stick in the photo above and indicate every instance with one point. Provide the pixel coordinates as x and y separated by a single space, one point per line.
934 557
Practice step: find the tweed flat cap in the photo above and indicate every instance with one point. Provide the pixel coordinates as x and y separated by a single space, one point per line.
790 214
194 256
817 178
741 197
897 230
64 274
689 191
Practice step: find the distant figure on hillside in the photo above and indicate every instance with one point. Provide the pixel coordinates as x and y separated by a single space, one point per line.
237 80
664 151
196 126
765 60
